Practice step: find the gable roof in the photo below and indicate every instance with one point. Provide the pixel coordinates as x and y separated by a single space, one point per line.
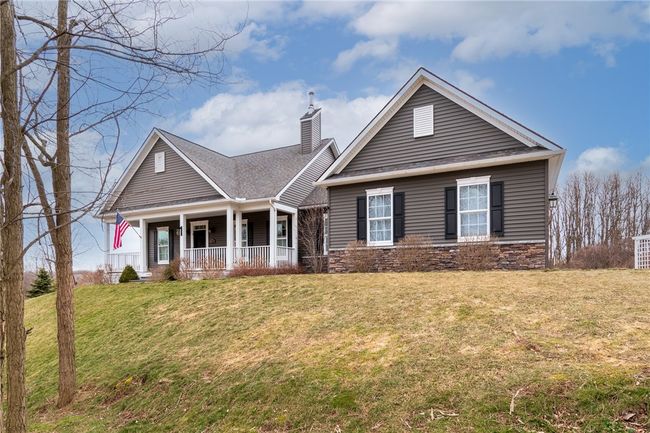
546 148
262 174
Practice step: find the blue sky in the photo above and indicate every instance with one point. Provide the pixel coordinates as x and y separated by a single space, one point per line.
578 73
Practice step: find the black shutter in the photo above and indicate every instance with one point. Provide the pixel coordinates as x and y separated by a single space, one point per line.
398 216
251 242
451 203
496 208
361 218
289 230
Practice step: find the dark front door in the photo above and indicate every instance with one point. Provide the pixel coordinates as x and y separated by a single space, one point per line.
199 237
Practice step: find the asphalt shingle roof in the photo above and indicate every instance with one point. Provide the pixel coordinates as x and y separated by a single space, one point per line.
252 175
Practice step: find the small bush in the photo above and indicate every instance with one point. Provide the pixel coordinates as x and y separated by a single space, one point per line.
360 258
128 274
476 256
411 253
98 276
245 270
41 285
617 255
180 270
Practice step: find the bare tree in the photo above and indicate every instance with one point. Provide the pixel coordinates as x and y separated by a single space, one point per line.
311 238
12 229
604 211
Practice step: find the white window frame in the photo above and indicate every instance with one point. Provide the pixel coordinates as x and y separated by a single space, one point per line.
163 229
193 224
326 233
472 181
284 253
244 225
424 130
377 192
159 162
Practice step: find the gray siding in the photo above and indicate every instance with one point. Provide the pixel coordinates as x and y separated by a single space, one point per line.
300 189
524 203
179 182
457 132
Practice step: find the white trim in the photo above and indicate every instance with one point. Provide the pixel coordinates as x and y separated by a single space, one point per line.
169 253
284 250
443 168
230 241
207 232
423 121
311 161
472 181
424 77
326 233
372 193
285 208
244 223
159 162
143 245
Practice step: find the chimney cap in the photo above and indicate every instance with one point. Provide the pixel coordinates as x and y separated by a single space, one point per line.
311 102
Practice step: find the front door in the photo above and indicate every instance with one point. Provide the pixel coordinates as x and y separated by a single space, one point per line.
199 234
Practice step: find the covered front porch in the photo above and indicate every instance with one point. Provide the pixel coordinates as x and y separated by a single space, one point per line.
209 237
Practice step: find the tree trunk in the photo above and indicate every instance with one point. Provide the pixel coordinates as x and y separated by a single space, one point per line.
12 231
62 236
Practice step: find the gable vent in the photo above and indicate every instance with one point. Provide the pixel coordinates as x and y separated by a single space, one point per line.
423 121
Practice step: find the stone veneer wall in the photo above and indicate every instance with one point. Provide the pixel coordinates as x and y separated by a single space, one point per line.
510 256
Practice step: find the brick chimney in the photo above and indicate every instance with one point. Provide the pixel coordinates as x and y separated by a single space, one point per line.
310 127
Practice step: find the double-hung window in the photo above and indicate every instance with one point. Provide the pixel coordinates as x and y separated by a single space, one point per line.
163 245
326 233
380 216
473 208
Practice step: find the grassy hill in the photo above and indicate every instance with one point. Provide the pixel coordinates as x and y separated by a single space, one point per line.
427 352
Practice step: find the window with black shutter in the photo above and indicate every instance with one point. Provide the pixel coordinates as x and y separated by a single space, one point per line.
361 218
496 208
398 216
451 204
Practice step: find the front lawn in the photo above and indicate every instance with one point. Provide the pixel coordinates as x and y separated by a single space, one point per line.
432 352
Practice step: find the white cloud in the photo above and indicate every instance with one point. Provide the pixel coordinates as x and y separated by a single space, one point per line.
607 51
471 84
376 49
484 30
601 160
237 123
311 11
645 165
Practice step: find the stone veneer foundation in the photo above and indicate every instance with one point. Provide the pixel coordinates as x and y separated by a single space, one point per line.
506 256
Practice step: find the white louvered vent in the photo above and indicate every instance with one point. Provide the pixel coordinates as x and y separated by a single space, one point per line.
159 162
423 121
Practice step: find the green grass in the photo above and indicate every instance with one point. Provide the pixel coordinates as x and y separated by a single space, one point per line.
432 352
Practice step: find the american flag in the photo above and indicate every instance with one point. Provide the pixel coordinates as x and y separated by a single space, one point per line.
121 226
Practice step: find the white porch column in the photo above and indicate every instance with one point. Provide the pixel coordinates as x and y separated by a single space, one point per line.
183 223
238 233
294 238
107 243
143 246
229 238
273 236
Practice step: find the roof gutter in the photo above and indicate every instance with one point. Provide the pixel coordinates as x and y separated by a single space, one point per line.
443 168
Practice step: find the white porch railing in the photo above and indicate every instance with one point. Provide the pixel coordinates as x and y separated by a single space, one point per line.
285 256
642 252
116 262
206 258
253 256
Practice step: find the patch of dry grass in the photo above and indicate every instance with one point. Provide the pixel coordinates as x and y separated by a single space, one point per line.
358 352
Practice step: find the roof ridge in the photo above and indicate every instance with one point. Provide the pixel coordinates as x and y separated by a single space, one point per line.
194 143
